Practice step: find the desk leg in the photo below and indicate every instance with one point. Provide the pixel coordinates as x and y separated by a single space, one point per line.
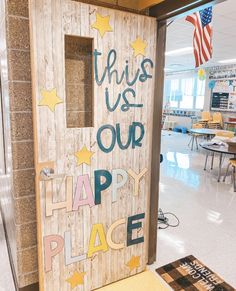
234 182
196 142
227 171
212 160
192 143
207 154
220 166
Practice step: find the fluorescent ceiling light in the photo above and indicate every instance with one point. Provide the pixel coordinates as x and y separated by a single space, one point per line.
230 61
182 51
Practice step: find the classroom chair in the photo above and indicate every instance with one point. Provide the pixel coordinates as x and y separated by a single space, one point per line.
206 117
230 124
225 134
216 122
232 163
194 136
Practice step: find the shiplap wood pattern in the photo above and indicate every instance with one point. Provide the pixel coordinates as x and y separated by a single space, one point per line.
55 144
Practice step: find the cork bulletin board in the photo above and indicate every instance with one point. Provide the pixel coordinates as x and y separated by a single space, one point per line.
93 84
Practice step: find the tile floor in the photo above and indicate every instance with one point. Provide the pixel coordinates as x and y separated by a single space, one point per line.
206 209
6 280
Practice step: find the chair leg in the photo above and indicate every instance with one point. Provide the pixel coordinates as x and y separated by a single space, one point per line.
227 171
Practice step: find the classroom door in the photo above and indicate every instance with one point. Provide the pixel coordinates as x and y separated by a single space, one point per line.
93 88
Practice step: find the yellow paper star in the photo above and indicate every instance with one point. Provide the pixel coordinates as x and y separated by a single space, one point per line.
76 279
139 47
84 156
102 24
133 263
50 99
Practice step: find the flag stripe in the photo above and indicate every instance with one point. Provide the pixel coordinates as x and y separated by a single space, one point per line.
200 34
202 37
207 45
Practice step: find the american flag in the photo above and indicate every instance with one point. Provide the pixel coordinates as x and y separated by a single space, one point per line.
202 38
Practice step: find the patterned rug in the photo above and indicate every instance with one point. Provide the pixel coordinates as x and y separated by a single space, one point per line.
189 274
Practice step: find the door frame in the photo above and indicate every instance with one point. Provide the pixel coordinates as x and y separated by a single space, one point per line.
167 10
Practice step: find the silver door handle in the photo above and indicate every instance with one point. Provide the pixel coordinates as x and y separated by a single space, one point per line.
47 173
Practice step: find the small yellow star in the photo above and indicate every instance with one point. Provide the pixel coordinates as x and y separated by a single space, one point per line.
50 99
139 47
133 263
76 279
84 156
102 24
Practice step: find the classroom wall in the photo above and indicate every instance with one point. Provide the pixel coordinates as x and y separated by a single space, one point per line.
186 121
210 72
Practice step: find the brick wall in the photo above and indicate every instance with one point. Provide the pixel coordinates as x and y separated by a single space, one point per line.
18 110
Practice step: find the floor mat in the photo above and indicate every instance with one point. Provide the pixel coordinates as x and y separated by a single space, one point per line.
189 274
146 281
